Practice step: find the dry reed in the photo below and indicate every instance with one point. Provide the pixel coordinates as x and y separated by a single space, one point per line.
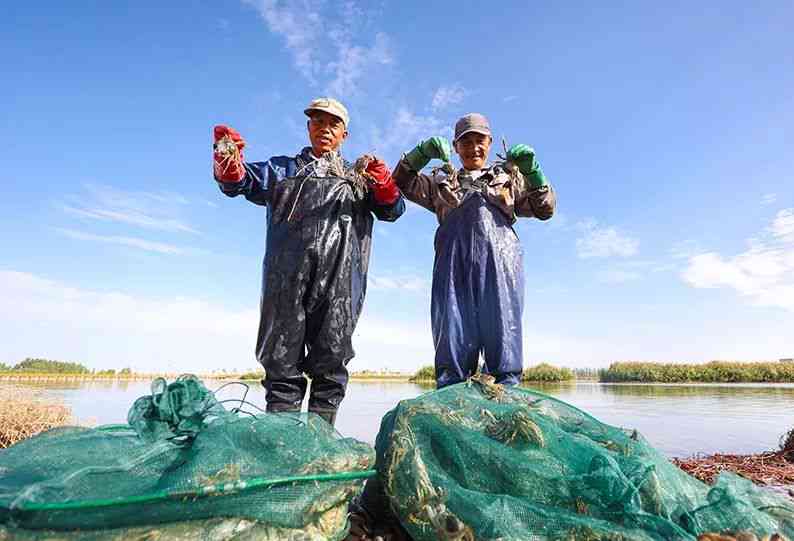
26 412
766 469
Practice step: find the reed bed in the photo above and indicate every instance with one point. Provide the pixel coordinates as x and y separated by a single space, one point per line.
712 372
426 373
546 373
25 413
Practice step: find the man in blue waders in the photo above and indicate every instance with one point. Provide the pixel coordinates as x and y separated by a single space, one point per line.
319 232
478 273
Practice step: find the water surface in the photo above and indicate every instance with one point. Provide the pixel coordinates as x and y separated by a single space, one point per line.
680 420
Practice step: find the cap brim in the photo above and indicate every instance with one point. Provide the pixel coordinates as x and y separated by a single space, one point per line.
308 112
482 131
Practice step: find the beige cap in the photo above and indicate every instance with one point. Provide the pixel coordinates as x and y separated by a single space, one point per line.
329 105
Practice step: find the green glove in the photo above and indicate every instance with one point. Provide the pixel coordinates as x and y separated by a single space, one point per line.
524 157
433 148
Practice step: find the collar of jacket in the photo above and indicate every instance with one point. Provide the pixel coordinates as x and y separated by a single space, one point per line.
306 160
307 154
493 169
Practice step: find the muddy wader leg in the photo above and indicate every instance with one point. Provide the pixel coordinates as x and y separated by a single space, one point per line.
329 328
285 394
280 344
453 312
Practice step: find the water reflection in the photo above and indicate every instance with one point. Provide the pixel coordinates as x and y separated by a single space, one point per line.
678 419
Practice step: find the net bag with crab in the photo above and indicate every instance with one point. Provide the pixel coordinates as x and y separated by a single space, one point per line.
480 461
184 467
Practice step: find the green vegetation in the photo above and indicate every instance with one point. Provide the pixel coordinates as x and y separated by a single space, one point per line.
258 376
547 373
543 372
586 373
34 367
426 373
713 372
46 366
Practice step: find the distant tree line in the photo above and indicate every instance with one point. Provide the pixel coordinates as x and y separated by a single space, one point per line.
586 373
47 366
712 372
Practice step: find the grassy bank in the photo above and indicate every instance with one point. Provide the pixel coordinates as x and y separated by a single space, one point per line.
425 374
24 413
366 375
713 372
542 373
546 373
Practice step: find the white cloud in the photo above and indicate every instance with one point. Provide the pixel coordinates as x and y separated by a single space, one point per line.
130 218
382 343
766 276
383 332
446 96
132 242
764 273
321 38
353 61
299 23
768 199
149 210
604 241
407 128
404 283
508 99
113 329
783 225
684 249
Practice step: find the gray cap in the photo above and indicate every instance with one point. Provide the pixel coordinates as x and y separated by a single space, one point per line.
473 122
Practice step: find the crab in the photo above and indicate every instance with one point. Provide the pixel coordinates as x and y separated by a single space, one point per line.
229 153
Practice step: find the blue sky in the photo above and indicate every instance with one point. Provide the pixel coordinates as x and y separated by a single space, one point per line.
666 129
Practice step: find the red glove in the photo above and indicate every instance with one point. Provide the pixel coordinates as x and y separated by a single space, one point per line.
228 155
384 189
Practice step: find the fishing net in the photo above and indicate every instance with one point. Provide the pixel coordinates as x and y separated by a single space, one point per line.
480 461
184 467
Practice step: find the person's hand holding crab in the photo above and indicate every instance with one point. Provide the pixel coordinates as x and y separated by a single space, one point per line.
228 154
374 170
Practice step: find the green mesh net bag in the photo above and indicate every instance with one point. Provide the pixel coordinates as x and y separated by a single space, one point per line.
480 461
184 467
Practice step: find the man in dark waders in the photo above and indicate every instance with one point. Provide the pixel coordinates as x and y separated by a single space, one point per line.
314 276
477 295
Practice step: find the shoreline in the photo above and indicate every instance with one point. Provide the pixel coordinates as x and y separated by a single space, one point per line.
382 378
769 469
